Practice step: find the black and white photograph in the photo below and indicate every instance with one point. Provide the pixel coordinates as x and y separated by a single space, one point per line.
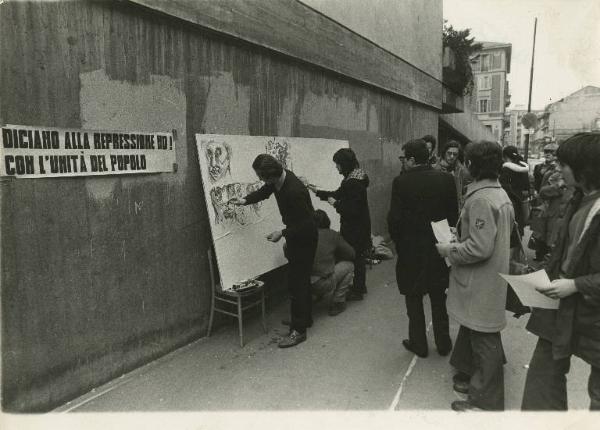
299 214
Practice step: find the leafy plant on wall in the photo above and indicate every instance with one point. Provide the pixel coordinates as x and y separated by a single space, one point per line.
463 47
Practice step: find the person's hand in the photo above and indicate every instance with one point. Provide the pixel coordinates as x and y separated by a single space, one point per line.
443 249
238 201
312 187
275 236
559 289
331 201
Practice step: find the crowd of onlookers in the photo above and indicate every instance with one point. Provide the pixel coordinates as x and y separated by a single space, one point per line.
488 196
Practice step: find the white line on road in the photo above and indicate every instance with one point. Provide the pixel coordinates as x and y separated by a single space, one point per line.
406 375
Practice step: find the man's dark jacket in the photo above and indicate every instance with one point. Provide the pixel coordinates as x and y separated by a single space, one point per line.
419 196
294 205
574 329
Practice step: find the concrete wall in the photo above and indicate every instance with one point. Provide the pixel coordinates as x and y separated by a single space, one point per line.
100 275
410 29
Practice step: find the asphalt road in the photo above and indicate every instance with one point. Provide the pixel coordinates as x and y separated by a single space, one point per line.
351 362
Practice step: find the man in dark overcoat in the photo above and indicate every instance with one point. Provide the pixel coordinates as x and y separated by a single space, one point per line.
419 196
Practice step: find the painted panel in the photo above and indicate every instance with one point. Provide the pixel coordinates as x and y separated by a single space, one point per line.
238 231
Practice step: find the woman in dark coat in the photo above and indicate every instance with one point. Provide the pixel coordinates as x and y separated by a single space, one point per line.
350 201
514 178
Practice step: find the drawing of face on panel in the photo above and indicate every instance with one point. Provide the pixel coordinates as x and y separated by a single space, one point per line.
250 188
281 150
223 211
218 156
229 215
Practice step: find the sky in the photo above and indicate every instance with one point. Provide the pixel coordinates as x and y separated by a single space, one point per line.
567 50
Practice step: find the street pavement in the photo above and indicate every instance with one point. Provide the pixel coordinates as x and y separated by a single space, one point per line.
351 362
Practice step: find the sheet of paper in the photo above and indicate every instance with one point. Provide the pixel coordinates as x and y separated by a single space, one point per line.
524 287
441 231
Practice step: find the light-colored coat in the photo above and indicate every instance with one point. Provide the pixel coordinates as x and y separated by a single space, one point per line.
477 294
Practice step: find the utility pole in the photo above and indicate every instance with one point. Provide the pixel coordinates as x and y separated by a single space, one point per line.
530 86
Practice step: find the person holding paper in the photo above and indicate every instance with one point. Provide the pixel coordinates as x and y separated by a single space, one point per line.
421 195
574 269
476 294
301 237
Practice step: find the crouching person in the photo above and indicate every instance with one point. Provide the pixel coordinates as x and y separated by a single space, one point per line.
333 270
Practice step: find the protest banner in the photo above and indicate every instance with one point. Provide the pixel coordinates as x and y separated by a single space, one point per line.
43 152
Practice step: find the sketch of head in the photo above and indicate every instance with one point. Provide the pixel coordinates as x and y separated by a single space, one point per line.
218 203
218 155
281 151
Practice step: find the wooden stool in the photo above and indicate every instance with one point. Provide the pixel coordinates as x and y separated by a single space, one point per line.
234 298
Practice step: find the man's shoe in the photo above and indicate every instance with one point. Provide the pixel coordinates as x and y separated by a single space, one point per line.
289 323
461 387
445 350
409 346
293 339
336 308
461 377
354 296
464 406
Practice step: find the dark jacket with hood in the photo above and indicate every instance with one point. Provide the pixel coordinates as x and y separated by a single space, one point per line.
420 195
516 177
352 205
575 327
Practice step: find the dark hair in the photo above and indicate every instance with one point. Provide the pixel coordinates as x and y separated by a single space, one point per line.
512 153
321 219
267 166
452 144
347 160
431 139
581 152
485 159
417 149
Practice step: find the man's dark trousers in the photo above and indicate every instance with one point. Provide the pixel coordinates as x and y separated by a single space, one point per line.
416 320
301 255
546 382
481 356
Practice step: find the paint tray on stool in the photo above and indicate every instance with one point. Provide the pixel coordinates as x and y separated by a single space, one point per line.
246 284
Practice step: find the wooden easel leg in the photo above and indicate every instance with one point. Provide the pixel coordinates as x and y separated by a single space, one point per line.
212 290
262 300
212 315
240 324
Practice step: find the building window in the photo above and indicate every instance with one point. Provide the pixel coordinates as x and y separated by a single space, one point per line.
485 62
497 61
483 105
485 83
